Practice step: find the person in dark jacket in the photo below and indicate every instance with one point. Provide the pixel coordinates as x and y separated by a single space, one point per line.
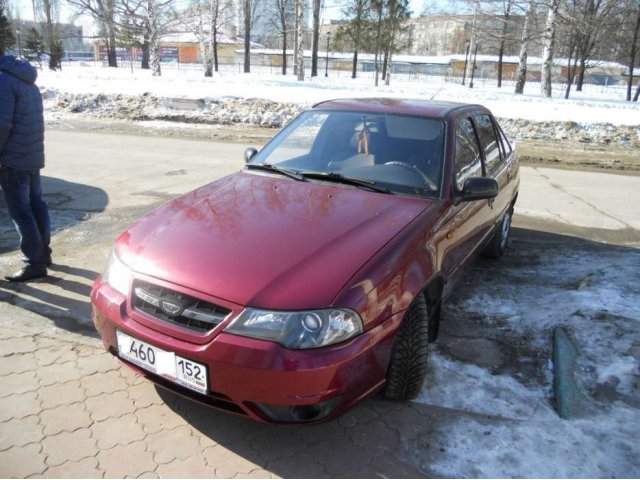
21 159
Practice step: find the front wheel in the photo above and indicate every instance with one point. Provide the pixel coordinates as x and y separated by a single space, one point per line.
408 364
498 244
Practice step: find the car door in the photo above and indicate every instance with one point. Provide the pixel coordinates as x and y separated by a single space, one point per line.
468 223
498 163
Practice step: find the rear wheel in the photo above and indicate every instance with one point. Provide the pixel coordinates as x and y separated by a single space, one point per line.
408 364
498 244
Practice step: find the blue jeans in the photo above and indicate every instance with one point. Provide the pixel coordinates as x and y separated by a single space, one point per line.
29 212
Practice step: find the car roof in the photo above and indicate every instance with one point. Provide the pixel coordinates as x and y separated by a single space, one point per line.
422 108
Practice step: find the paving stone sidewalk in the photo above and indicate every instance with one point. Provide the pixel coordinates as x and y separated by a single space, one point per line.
68 409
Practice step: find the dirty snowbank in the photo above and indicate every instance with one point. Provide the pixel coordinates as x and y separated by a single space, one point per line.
597 116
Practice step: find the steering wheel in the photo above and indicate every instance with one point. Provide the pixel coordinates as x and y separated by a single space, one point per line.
432 186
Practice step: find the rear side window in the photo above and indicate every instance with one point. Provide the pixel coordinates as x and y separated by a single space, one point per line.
488 141
467 158
505 141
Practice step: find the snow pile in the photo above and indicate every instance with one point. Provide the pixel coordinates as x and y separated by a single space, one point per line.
597 115
592 297
263 113
271 114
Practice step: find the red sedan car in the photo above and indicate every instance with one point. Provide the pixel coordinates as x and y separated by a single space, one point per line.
313 277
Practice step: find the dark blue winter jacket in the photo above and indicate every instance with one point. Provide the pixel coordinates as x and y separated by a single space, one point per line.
21 118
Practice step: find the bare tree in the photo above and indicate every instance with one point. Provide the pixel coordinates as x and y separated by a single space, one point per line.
625 38
379 11
205 19
488 14
48 13
357 29
249 13
524 46
568 39
315 37
7 40
282 21
593 21
147 21
507 7
549 46
396 35
633 52
104 13
299 39
157 19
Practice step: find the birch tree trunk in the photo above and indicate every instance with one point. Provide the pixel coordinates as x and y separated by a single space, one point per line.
299 39
205 49
632 57
549 45
524 46
154 41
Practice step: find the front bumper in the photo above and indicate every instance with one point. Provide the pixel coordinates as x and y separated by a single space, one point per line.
252 377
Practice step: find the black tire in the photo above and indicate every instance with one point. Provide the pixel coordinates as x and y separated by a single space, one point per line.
434 319
408 364
498 244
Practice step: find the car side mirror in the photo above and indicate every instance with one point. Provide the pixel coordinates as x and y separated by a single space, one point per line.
249 153
477 188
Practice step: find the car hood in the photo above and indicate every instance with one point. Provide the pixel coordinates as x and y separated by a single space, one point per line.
266 241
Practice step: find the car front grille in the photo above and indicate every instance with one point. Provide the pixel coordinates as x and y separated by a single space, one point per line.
177 308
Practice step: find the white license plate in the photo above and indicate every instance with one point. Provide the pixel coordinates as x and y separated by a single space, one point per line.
185 372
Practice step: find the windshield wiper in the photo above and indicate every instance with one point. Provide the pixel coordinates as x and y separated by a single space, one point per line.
339 178
267 167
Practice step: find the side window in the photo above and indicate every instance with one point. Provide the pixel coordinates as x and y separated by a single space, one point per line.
489 142
467 159
505 140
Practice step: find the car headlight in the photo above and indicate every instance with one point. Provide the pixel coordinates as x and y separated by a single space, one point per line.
117 274
298 330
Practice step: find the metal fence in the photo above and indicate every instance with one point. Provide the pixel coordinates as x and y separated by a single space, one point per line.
484 78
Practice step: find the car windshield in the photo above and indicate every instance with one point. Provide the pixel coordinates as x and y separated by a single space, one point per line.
394 153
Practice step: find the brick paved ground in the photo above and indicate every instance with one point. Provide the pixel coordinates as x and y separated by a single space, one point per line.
68 409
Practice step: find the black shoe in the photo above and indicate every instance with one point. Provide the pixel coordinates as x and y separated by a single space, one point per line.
27 273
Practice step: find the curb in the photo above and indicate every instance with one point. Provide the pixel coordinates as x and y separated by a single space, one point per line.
569 401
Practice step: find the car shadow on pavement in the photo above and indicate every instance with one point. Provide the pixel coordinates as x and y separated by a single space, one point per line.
69 203
369 441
